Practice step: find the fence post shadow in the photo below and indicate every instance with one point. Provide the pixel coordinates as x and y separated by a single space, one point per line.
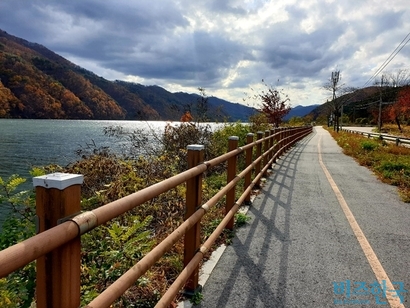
244 263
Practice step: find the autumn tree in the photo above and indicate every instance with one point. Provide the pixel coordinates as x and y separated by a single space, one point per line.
6 100
186 117
274 106
400 110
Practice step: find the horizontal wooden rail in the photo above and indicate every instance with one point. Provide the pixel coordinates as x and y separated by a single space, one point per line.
173 290
268 148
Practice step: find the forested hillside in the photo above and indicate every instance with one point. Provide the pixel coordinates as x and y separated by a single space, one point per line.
363 106
38 83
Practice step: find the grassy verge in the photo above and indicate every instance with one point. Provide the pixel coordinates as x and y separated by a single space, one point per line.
389 162
392 129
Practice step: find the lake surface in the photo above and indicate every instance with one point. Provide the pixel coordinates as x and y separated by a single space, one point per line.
28 143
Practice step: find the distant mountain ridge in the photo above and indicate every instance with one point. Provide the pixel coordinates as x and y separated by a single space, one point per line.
35 82
300 111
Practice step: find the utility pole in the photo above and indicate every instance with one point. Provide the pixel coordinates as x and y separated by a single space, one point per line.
380 105
334 81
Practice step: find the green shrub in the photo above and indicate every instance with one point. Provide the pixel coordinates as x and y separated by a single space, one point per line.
7 299
258 122
219 139
17 289
108 252
196 298
369 145
394 166
241 219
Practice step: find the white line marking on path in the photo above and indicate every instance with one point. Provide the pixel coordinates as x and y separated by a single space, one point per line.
374 262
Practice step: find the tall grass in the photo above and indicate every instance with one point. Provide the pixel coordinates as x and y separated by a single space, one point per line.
389 162
392 129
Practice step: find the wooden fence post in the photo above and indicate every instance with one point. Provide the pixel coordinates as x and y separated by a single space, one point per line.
277 145
248 161
288 133
288 138
192 239
265 150
231 173
58 196
280 150
258 169
271 145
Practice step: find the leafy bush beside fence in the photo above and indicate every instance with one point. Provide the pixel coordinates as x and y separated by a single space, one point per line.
109 250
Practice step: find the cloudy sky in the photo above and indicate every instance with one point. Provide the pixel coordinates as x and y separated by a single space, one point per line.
224 46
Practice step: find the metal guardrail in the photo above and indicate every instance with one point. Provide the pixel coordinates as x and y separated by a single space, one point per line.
398 140
57 246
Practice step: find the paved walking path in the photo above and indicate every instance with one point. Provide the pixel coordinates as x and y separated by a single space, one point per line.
300 250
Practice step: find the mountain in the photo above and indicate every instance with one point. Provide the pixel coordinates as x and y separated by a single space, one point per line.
35 82
300 111
359 104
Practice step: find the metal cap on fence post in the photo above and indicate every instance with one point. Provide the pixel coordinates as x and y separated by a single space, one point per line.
231 173
248 161
192 239
58 196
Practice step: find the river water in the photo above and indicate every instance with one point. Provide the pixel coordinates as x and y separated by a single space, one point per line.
28 143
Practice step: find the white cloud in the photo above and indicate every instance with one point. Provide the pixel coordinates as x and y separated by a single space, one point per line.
225 46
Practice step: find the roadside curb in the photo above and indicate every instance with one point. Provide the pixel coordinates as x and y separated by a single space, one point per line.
207 268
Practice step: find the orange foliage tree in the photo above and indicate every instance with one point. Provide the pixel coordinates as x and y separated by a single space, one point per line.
186 117
400 110
6 98
274 106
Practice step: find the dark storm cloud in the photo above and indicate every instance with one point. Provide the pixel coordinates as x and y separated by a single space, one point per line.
222 45
300 54
20 18
140 40
130 16
198 56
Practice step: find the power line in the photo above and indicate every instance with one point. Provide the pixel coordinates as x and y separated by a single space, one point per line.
385 63
389 59
380 69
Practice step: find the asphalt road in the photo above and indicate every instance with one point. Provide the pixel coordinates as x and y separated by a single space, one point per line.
299 249
365 129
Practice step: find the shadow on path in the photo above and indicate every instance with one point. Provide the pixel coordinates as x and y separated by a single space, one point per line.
258 247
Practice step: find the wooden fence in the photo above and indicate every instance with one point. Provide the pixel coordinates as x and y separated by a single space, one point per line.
60 222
